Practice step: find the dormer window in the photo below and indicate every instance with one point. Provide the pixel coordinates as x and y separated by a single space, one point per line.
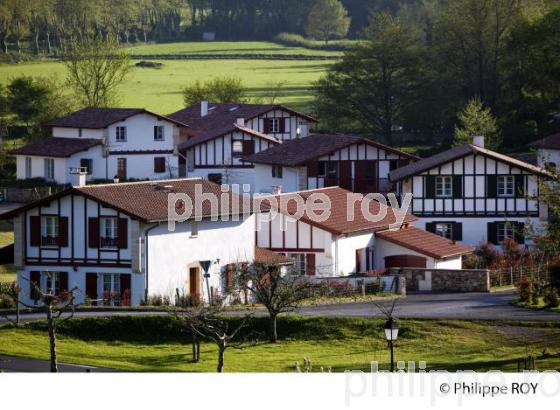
120 133
159 132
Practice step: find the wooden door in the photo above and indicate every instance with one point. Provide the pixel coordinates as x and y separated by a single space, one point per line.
121 168
125 289
194 282
91 287
365 176
345 169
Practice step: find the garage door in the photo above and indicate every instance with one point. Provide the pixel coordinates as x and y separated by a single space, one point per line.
405 261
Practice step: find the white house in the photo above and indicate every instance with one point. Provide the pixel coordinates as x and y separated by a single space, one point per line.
320 160
548 151
341 244
112 242
129 143
474 195
220 135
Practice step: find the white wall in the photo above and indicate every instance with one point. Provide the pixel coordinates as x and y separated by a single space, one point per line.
385 248
65 132
347 246
264 182
140 134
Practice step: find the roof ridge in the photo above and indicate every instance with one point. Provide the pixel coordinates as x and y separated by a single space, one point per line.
148 181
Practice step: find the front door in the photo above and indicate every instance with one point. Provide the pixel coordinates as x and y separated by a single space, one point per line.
121 168
91 287
194 282
125 289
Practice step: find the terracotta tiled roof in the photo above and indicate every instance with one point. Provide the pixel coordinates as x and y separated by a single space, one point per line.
455 153
218 132
551 142
424 242
95 118
57 147
299 151
147 200
263 255
337 221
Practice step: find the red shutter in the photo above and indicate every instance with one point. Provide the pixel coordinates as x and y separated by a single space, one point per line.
62 231
35 231
282 122
248 147
229 277
358 260
93 232
34 279
123 233
63 278
266 127
310 263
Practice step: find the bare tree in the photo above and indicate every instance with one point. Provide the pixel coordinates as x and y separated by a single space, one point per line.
95 69
208 323
279 292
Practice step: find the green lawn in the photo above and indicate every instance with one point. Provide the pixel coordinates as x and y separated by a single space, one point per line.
338 343
160 89
7 272
227 47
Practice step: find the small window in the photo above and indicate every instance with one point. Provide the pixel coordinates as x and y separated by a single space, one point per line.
158 132
274 125
111 289
276 171
194 229
28 169
237 147
87 163
52 282
109 233
445 230
505 185
299 265
159 165
120 133
49 231
49 169
505 231
443 186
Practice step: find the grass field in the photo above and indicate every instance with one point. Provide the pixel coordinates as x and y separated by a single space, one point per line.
337 343
7 272
160 89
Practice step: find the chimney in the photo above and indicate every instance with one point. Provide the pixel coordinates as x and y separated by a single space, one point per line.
203 108
478 141
240 122
78 176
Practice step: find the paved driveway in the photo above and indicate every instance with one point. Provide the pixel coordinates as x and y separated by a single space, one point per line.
480 306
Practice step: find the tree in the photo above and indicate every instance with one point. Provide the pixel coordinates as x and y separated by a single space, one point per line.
217 90
277 291
374 83
96 68
476 119
327 20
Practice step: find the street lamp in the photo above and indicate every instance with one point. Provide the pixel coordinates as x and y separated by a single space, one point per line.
391 332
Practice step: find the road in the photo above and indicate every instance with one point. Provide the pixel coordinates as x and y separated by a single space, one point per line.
470 306
21 364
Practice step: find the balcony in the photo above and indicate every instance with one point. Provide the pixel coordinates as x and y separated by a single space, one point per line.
109 242
51 241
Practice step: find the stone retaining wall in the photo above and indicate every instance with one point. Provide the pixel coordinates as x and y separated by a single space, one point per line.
445 280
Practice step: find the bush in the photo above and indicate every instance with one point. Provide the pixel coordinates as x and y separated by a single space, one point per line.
525 290
296 40
551 297
554 276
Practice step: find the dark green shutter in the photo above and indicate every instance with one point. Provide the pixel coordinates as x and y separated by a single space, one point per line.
491 186
519 232
430 186
431 227
457 186
492 234
457 231
520 186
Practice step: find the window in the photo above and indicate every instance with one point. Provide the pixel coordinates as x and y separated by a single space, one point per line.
194 229
28 167
158 132
49 169
120 133
159 165
332 168
52 282
87 163
49 231
505 185
505 230
276 171
237 147
109 233
443 186
274 125
111 289
299 265
444 229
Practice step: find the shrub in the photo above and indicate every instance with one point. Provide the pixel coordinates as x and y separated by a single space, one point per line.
525 289
551 297
297 40
554 276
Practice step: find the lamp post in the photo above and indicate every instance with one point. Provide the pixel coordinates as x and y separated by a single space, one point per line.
391 332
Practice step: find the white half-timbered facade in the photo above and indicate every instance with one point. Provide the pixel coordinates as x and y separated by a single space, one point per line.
474 195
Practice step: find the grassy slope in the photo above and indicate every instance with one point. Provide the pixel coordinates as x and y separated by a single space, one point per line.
7 273
160 89
223 47
338 343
